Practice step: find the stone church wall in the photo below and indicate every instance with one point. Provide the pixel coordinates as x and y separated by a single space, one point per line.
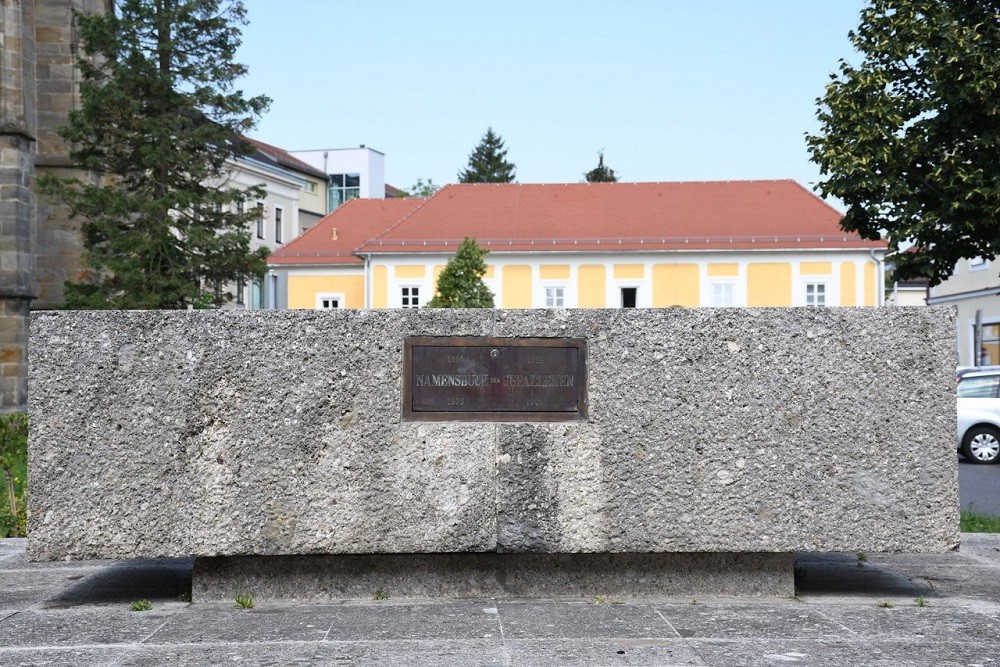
39 246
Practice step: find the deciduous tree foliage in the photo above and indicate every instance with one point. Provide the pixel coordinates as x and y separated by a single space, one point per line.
910 136
159 117
424 188
460 284
488 163
601 173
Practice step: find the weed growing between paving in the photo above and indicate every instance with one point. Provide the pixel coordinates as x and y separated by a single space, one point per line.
141 605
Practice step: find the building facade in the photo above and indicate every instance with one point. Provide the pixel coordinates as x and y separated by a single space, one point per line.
733 244
974 290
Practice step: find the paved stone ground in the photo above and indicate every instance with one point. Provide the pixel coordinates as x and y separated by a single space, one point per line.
78 614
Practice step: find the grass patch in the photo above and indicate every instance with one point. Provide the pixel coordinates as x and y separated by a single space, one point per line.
244 601
13 475
141 605
971 521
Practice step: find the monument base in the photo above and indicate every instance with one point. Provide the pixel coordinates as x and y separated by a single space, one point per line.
326 578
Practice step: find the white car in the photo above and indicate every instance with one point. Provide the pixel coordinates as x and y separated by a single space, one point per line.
979 414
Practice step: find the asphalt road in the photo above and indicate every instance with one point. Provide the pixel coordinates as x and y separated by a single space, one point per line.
979 486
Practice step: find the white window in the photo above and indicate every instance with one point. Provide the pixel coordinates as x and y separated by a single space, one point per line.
722 295
310 187
329 301
409 297
342 188
555 297
277 224
815 294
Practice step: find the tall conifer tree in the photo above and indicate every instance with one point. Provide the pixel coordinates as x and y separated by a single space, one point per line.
601 173
487 163
158 120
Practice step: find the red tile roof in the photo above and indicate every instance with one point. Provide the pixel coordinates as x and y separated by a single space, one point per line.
333 239
591 217
721 215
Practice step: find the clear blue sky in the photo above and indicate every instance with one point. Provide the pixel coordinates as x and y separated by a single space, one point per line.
669 89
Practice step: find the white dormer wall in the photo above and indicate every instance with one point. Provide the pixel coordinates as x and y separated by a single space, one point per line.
368 163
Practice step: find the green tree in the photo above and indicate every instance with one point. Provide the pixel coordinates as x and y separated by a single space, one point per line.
424 189
460 284
910 136
159 119
487 162
601 173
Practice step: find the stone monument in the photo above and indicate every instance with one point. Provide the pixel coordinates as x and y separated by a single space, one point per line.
324 455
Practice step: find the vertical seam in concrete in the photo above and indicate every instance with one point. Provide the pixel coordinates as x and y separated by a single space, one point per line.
496 465
496 487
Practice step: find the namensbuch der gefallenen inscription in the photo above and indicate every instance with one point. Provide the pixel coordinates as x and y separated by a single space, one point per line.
495 379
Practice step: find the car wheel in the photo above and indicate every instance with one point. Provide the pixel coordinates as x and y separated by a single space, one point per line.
981 444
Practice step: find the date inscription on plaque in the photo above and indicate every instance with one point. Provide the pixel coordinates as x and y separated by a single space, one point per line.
494 379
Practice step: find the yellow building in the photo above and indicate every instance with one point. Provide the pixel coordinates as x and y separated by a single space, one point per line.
589 245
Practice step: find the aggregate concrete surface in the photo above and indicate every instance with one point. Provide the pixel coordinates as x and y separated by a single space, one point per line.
848 611
701 436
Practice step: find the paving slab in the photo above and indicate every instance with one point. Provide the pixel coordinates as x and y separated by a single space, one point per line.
576 620
416 653
79 627
61 656
603 652
736 620
467 620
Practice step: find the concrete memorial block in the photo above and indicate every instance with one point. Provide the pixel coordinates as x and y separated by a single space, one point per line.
737 431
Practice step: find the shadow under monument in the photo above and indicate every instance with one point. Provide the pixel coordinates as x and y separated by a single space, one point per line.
127 581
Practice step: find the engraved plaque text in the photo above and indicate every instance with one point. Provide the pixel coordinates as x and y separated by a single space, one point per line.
494 379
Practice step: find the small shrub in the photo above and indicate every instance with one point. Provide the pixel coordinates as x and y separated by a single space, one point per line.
141 605
921 602
244 601
14 473
381 595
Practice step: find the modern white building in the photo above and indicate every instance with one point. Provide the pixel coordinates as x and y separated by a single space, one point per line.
352 172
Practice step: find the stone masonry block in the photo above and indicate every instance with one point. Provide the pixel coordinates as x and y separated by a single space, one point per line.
710 430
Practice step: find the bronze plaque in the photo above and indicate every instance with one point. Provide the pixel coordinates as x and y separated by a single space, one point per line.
494 379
